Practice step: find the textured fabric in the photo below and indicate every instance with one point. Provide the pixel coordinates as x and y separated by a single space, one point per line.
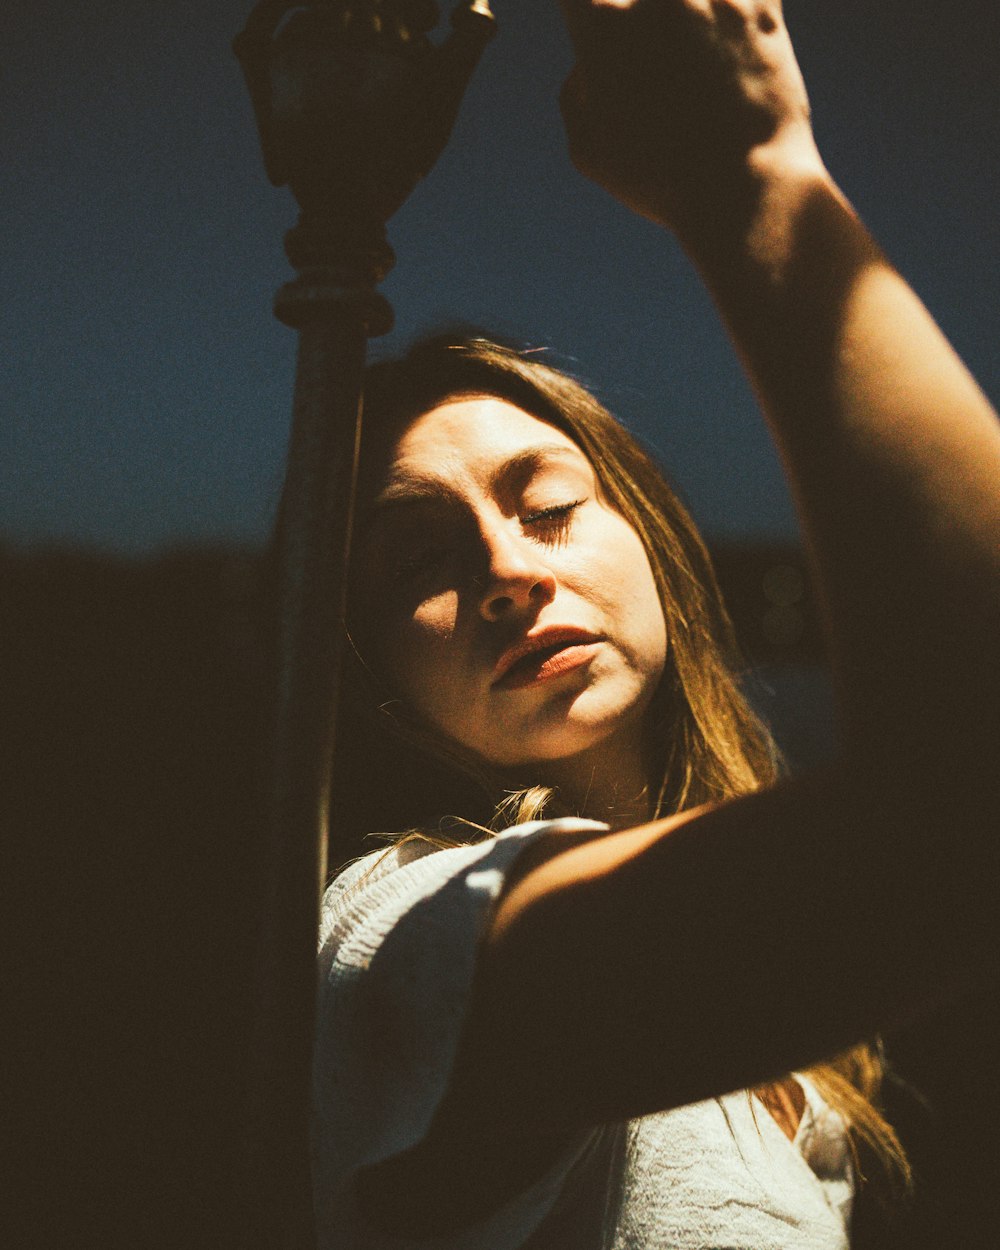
722 1174
398 941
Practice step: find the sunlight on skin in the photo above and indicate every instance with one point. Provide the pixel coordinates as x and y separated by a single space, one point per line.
490 533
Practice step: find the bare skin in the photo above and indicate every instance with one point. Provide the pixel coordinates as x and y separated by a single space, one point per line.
489 534
859 896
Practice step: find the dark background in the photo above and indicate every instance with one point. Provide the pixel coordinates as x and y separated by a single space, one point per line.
144 387
144 399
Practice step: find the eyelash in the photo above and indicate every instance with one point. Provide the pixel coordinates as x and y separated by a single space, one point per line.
555 520
558 516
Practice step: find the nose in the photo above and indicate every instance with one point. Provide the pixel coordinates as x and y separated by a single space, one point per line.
517 576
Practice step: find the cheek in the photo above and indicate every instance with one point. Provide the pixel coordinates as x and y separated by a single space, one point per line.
628 585
417 650
649 610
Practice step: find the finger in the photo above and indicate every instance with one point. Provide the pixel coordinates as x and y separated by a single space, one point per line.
602 30
582 18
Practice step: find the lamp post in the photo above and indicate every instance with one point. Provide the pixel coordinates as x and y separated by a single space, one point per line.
354 103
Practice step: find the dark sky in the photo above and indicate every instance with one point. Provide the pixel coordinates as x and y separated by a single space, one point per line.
145 387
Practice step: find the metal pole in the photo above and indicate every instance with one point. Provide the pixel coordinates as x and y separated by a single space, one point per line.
354 104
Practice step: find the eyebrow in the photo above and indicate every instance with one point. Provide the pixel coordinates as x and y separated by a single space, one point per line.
412 488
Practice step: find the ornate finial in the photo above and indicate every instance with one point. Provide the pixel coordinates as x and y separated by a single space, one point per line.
354 104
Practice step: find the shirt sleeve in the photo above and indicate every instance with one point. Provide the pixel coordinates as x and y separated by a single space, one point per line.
399 939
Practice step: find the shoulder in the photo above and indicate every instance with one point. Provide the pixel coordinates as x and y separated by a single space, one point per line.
399 936
398 945
381 888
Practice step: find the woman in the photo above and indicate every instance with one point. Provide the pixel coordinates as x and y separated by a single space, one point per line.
531 611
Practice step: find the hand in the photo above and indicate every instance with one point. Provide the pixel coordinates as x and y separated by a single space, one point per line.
679 107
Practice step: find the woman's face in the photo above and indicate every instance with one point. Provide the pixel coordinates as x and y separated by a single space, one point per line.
501 596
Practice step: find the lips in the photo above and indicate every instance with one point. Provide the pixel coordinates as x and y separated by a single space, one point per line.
545 652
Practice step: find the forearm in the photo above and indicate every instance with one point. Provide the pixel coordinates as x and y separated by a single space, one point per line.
665 964
893 455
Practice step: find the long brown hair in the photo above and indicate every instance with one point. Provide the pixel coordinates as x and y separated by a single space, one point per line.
708 743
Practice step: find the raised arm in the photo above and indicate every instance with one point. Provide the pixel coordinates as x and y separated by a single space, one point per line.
722 948
892 451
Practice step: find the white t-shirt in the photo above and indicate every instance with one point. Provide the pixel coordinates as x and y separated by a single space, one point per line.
398 941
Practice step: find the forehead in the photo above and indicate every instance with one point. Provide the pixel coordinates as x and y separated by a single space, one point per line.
471 435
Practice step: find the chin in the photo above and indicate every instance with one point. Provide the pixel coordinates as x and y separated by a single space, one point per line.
572 737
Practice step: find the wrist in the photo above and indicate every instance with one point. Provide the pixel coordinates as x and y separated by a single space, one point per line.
751 209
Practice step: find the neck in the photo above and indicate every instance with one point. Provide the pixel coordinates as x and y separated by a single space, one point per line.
609 782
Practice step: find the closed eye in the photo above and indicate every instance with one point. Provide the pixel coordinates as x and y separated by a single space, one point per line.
552 523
